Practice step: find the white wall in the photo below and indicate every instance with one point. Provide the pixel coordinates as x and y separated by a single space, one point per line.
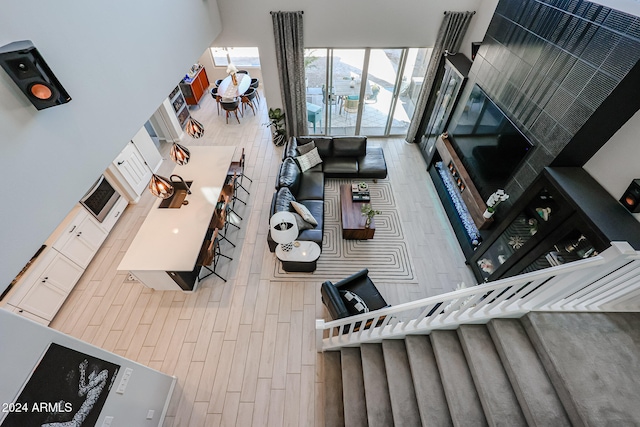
616 164
355 24
23 344
118 60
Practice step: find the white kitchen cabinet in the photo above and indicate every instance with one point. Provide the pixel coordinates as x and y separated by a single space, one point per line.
81 239
26 314
130 172
45 289
115 214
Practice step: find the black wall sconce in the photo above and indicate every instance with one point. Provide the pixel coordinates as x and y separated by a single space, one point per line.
28 69
631 197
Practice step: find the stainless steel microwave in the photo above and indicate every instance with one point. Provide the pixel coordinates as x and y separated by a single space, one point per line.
100 199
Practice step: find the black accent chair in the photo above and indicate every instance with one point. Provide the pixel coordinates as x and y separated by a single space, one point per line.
254 84
340 306
231 107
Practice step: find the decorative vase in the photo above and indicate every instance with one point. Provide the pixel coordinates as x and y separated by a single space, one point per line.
487 214
367 223
234 79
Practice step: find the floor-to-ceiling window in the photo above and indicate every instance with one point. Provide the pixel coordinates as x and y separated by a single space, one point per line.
363 91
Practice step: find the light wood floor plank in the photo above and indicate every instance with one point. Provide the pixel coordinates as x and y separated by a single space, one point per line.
252 365
239 358
294 353
206 331
189 390
199 415
262 403
269 339
197 315
279 375
230 411
219 390
212 358
292 399
245 414
276 408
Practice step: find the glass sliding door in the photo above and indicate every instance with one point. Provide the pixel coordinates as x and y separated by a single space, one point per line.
315 64
415 67
345 83
380 91
362 91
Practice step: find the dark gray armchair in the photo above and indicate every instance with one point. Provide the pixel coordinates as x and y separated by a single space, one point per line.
351 296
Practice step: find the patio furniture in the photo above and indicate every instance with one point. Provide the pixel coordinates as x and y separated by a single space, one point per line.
314 114
373 98
350 105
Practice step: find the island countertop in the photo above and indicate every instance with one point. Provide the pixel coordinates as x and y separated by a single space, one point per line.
170 239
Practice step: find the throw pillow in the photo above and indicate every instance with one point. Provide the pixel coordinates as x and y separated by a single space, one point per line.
305 148
309 160
354 303
304 213
302 224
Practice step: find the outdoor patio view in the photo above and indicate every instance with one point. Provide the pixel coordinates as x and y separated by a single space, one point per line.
363 91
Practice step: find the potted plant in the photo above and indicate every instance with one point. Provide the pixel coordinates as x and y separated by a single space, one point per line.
276 121
493 201
369 213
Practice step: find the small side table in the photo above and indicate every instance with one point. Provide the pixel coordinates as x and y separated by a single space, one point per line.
314 113
301 258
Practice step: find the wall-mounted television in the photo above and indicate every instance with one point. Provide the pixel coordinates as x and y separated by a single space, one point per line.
489 145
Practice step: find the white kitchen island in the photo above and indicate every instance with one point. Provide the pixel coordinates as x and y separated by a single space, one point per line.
163 254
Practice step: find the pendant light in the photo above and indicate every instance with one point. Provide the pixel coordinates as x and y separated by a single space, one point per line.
180 154
160 187
194 128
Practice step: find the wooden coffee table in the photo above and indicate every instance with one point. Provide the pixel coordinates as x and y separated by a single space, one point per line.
352 219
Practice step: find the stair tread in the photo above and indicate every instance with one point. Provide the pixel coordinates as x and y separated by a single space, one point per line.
432 403
592 360
498 399
376 386
462 397
333 405
404 405
355 407
538 399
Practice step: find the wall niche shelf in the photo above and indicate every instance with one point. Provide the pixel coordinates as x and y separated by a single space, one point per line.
179 106
564 216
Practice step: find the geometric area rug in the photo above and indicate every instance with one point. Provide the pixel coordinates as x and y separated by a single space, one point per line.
386 255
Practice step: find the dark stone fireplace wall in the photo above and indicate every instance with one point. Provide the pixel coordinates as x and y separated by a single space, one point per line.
550 65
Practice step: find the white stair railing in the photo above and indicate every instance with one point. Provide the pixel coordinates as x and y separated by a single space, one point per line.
609 281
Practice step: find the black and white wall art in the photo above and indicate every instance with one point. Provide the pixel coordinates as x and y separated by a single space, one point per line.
67 388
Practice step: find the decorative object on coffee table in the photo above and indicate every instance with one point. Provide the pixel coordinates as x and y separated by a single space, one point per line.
369 212
284 229
353 222
360 192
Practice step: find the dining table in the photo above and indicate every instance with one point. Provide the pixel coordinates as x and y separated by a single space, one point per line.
342 87
228 91
346 88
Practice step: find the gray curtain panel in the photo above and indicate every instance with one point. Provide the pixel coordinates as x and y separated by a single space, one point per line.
452 30
287 30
